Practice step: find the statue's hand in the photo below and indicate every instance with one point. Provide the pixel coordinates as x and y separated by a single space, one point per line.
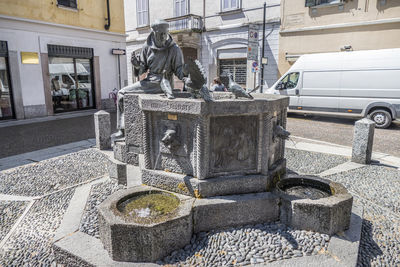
135 62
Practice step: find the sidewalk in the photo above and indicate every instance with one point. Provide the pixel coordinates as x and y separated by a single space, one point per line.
47 194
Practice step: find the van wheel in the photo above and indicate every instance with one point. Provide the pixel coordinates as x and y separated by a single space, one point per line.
381 117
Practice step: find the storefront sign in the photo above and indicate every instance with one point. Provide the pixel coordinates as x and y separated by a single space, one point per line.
29 58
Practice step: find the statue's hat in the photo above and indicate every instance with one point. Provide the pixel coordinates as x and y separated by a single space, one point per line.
160 25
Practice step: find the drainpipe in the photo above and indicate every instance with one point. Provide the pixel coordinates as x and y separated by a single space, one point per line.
107 26
204 15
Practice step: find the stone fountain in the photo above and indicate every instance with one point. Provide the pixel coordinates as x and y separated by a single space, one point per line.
223 162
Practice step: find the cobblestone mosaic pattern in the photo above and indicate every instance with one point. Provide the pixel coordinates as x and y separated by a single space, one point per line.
251 244
30 245
305 162
54 174
99 192
377 189
10 211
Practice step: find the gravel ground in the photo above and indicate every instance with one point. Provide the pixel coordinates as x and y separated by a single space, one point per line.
98 193
54 174
31 244
248 245
305 162
10 211
377 189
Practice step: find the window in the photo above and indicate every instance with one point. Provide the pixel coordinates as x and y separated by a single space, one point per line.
311 3
289 81
6 109
237 67
180 9
67 3
142 7
71 78
227 5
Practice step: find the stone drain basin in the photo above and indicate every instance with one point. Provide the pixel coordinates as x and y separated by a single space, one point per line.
143 224
313 203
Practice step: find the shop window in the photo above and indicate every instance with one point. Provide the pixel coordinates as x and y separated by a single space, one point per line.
67 3
237 67
6 108
228 5
142 12
71 79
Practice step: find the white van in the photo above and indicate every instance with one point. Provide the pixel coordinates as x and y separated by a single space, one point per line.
360 83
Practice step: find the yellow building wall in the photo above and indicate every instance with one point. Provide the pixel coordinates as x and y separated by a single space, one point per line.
89 14
295 16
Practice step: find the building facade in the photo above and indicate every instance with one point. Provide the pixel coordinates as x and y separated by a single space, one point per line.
318 26
55 56
215 32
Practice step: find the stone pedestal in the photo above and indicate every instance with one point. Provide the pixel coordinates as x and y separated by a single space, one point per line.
362 141
189 139
102 125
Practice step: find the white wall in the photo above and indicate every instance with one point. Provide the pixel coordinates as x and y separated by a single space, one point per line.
25 36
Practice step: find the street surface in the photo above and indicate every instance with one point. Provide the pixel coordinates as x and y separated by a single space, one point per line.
340 131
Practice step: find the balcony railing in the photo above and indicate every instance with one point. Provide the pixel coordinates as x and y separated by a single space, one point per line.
185 23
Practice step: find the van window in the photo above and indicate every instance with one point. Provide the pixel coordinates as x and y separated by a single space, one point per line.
289 81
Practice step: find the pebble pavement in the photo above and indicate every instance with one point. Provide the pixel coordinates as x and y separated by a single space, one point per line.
377 188
30 245
306 162
98 193
31 242
53 174
250 244
10 211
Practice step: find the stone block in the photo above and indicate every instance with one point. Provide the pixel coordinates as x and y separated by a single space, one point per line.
117 170
229 211
179 183
102 126
120 151
230 185
129 241
133 121
362 141
328 215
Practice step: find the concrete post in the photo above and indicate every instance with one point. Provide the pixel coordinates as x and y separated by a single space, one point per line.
102 125
362 141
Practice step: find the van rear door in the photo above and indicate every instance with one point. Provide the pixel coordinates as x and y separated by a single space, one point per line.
320 91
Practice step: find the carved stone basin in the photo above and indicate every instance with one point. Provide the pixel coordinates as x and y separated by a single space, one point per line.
313 203
144 224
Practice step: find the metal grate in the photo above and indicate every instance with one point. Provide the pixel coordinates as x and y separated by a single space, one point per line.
3 49
237 67
69 51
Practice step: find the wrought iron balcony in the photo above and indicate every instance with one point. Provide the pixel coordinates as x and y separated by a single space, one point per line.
188 22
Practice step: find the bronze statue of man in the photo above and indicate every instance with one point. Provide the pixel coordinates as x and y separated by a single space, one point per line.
161 57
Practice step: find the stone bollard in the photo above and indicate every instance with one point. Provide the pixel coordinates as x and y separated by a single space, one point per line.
362 141
102 126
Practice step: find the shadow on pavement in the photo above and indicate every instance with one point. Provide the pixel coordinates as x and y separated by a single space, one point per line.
368 250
